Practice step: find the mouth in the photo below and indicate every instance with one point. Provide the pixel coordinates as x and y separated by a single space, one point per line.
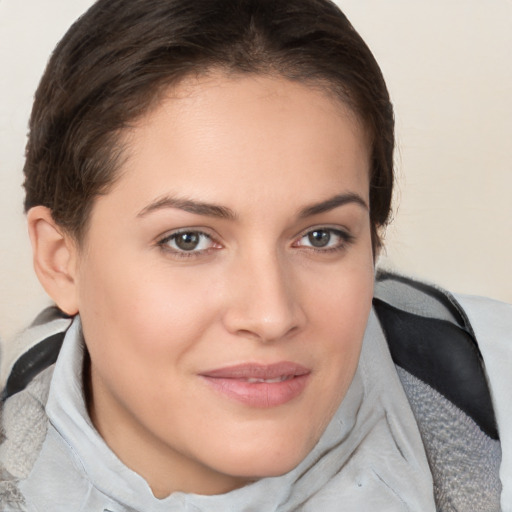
259 386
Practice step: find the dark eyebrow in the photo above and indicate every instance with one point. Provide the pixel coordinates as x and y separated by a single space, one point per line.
333 202
196 207
222 212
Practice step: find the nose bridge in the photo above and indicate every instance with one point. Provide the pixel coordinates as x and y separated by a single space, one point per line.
264 302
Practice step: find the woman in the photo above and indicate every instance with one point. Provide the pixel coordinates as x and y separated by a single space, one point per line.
206 183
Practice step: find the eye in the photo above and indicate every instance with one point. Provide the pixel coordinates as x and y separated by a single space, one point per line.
188 241
325 239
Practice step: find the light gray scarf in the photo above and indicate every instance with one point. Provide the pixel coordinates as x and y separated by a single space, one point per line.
369 458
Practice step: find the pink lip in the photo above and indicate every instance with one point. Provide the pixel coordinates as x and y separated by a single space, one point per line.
237 382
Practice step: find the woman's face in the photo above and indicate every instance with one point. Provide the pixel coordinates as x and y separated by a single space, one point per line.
226 280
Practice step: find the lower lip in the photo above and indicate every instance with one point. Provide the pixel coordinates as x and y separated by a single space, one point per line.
262 395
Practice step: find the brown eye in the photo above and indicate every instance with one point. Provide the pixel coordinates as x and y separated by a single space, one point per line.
319 238
187 241
192 242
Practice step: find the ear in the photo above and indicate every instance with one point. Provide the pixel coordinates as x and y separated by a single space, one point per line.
55 258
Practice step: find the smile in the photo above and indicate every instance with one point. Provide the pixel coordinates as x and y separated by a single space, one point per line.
259 386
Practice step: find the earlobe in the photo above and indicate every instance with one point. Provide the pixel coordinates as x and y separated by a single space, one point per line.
54 257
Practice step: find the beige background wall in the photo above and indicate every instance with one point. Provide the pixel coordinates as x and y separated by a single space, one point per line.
449 68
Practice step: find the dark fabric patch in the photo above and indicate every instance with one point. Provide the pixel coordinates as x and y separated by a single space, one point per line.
440 296
33 362
442 355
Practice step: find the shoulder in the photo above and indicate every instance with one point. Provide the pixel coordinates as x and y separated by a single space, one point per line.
27 368
461 345
24 425
430 335
492 324
452 353
23 430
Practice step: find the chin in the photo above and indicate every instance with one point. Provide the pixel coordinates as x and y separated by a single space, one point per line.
264 461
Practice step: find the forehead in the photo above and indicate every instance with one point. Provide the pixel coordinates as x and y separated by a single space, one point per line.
260 134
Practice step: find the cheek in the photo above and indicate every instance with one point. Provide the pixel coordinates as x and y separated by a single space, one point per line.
341 307
133 295
147 320
139 329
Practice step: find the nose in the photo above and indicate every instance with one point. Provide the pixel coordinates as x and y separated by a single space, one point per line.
264 302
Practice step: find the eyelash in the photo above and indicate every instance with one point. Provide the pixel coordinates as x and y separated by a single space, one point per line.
345 239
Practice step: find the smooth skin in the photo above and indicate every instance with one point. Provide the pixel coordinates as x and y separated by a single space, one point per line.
238 232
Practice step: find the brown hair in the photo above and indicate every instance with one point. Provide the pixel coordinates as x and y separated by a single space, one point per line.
113 63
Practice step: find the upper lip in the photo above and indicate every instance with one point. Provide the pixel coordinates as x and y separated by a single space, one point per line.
258 371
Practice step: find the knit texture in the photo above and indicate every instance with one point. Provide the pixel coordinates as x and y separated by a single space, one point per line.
11 499
24 417
464 461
